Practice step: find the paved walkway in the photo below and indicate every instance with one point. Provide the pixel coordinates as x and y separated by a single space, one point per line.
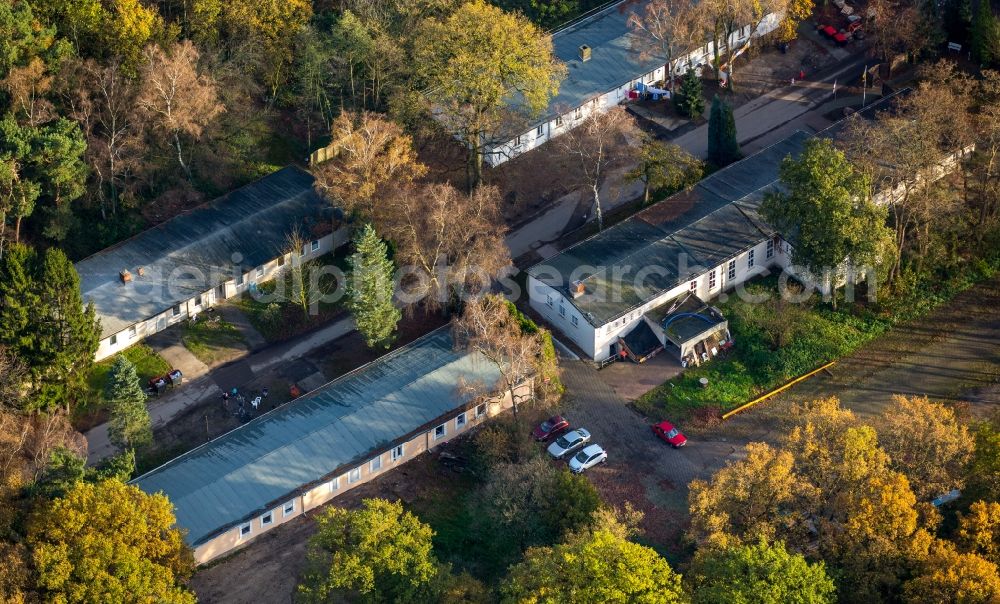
168 344
569 212
236 317
209 385
777 108
759 122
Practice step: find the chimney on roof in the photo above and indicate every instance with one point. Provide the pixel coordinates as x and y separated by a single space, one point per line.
584 53
577 289
125 276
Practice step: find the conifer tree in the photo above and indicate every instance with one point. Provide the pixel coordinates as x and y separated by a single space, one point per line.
985 34
129 426
44 322
723 148
370 289
68 331
690 100
18 301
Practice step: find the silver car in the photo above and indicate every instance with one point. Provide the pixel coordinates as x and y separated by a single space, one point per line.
568 442
586 458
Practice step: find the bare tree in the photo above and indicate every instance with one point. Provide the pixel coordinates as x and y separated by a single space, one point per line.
721 19
102 99
600 146
27 87
14 377
987 157
307 285
903 152
368 152
177 98
488 326
447 242
27 442
665 29
750 13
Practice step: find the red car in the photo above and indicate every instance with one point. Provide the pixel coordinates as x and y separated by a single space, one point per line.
669 434
550 428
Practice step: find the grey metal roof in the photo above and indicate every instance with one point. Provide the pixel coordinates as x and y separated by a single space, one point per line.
681 236
259 464
613 62
249 225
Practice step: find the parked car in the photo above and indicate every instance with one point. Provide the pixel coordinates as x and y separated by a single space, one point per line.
587 458
550 428
671 435
568 442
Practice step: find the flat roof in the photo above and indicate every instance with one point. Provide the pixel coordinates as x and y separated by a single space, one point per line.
680 237
244 228
256 466
612 62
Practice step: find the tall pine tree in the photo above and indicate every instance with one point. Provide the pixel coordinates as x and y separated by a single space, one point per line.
18 301
129 427
370 289
44 321
723 149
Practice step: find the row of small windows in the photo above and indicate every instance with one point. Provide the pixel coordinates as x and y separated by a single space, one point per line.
246 529
693 285
175 311
354 476
540 129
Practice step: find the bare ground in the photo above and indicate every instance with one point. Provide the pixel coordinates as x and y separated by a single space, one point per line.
212 418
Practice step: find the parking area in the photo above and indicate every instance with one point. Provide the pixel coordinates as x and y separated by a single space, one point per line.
641 469
952 355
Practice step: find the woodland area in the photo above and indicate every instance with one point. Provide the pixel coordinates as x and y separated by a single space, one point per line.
118 115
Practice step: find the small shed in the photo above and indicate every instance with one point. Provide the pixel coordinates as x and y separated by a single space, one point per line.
642 343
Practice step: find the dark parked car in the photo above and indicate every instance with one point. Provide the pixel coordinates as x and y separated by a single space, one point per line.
550 428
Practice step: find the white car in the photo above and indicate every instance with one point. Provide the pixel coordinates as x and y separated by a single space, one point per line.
586 458
569 441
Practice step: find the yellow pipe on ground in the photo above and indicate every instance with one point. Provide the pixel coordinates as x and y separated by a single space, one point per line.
729 414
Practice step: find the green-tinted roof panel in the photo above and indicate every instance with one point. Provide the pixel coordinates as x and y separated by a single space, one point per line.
341 423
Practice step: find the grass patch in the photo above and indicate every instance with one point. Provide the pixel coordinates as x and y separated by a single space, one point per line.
90 411
778 342
275 313
809 335
147 364
213 341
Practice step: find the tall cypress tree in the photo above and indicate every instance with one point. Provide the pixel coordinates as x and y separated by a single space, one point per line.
129 426
370 289
723 148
